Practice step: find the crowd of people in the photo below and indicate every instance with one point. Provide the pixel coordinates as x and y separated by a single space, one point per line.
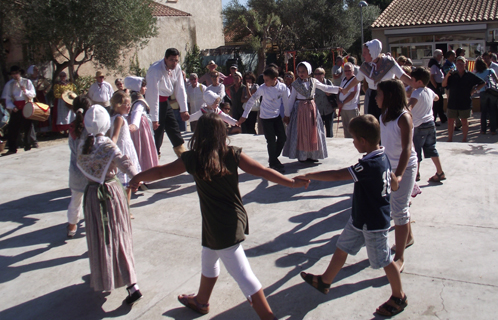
115 140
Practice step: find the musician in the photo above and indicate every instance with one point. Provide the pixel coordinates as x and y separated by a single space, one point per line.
101 91
62 115
15 94
42 86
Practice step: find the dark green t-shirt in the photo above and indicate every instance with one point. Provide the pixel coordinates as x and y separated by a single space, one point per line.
224 219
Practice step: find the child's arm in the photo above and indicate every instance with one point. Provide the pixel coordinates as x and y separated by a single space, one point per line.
250 104
160 172
330 175
195 116
225 117
405 124
411 103
327 88
118 123
253 167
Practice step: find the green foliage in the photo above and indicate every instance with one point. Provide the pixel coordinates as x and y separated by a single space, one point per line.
193 61
78 31
135 67
83 84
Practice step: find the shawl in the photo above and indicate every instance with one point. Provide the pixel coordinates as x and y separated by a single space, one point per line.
374 72
96 164
308 93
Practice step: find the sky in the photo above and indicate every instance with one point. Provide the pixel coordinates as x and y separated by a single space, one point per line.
225 2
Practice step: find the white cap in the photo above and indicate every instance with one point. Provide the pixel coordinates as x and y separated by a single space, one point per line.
97 120
133 83
210 97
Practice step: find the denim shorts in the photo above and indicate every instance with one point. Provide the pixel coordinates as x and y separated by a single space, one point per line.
424 138
352 240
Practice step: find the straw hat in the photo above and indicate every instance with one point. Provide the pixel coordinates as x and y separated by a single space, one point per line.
99 74
210 63
68 97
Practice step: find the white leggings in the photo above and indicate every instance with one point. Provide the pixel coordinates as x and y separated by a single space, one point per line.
237 265
74 209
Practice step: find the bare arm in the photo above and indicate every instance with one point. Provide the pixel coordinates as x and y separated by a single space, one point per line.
445 80
160 172
118 123
330 175
411 103
351 84
405 124
407 80
253 167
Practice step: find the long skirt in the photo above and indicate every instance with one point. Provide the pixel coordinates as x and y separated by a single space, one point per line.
109 236
62 116
305 133
143 139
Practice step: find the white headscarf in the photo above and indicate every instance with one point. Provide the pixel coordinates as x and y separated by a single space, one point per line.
97 120
133 83
374 47
31 69
210 97
307 65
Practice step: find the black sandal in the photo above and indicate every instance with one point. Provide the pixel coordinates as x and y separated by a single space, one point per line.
438 177
319 285
392 307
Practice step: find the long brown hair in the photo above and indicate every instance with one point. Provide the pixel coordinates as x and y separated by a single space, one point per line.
394 102
209 144
80 105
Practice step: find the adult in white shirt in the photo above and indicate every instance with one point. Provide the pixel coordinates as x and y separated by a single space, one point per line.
101 91
348 103
491 65
164 78
15 94
376 68
195 92
216 86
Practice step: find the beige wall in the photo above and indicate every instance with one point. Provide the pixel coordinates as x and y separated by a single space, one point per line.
208 20
379 34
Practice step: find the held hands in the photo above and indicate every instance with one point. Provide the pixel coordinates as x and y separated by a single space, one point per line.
395 182
240 121
300 182
343 90
185 116
134 184
155 125
133 128
286 120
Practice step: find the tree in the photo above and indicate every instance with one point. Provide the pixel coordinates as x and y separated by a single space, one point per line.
78 31
259 20
10 31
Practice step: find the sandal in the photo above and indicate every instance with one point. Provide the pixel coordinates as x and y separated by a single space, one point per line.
190 301
417 178
438 177
319 285
392 307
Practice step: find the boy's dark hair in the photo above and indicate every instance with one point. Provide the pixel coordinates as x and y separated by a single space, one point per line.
224 104
366 127
271 72
422 74
171 52
486 54
272 65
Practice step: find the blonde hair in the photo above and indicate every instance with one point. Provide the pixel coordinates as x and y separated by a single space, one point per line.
118 98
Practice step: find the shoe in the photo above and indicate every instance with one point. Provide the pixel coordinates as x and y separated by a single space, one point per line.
190 301
8 153
35 145
132 298
311 160
27 149
71 234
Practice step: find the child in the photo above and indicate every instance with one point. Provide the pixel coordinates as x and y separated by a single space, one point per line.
369 223
141 130
225 107
424 132
396 133
120 133
211 102
305 126
274 93
77 181
107 218
213 165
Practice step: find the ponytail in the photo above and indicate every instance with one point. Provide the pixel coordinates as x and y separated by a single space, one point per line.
87 147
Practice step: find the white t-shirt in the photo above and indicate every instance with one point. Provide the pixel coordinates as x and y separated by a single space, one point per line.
219 90
422 111
395 71
273 97
353 103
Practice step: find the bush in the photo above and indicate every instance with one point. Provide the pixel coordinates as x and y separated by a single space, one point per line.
193 61
83 84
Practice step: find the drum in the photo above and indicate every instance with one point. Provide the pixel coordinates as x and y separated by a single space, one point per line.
36 111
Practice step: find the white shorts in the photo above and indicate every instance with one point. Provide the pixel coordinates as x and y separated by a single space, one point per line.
237 265
400 199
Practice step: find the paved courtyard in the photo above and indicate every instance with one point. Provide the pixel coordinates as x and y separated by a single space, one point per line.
450 272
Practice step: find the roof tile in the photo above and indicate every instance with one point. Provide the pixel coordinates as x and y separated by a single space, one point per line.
430 12
160 10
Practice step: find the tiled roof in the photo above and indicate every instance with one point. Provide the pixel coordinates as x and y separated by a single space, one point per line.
160 10
404 13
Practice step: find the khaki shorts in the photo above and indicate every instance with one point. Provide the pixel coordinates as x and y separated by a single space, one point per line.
462 114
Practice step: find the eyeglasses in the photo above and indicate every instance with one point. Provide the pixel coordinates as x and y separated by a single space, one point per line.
347 70
289 76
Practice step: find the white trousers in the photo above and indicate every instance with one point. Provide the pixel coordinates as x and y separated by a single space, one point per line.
74 209
237 265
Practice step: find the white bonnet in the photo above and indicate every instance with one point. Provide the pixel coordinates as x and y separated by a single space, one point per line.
374 47
97 120
307 65
133 83
210 97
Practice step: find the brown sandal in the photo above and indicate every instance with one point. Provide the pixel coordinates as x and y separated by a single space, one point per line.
190 301
318 285
392 307
438 177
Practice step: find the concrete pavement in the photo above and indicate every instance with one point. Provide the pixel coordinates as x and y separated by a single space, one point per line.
450 272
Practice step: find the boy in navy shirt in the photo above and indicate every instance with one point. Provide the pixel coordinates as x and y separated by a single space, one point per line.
370 218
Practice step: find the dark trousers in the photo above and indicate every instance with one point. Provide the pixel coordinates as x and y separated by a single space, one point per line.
181 124
168 123
18 123
328 120
438 106
249 126
373 109
275 138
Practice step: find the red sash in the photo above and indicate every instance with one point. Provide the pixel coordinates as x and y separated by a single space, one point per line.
163 98
20 104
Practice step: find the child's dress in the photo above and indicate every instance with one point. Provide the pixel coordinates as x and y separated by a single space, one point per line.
77 181
305 133
125 144
143 138
107 217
